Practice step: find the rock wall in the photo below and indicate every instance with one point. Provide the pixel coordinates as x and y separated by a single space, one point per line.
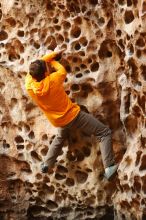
105 60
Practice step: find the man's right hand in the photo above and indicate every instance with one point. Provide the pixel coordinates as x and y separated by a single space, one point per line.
59 54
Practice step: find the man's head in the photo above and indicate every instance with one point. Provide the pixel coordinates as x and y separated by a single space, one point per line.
37 69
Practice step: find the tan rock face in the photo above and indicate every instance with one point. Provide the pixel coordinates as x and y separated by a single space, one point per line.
105 60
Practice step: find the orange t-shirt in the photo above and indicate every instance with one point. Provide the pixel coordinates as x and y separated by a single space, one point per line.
50 96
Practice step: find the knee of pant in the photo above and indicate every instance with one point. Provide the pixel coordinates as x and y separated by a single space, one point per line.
109 131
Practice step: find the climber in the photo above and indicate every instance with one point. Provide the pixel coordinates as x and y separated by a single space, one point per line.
47 91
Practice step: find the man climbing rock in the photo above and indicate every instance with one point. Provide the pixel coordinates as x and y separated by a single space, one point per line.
47 91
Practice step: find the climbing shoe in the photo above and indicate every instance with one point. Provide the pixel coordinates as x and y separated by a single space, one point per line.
44 168
110 171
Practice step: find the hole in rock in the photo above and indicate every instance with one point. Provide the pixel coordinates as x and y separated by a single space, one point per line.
35 155
81 177
31 135
86 87
88 170
83 66
86 151
51 205
79 75
79 155
20 156
29 106
144 7
11 21
72 7
5 144
60 176
66 25
101 21
13 102
50 189
119 32
20 33
83 41
77 46
70 182
134 68
68 68
50 5
129 3
57 27
140 42
138 53
62 7
143 163
44 137
38 176
136 111
44 150
65 211
127 99
104 50
75 32
62 169
26 128
131 124
13 57
78 20
75 59
67 92
128 17
20 147
77 69
84 9
19 139
89 60
138 157
55 20
94 67
36 45
75 87
70 156
60 39
121 2
36 210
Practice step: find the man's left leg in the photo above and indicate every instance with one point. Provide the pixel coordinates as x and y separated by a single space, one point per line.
90 125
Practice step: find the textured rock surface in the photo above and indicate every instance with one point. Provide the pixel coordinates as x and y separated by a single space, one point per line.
105 59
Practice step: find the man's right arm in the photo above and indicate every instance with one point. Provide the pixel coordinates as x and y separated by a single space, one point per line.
60 73
55 54
49 57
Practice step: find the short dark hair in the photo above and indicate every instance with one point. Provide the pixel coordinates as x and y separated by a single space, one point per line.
37 69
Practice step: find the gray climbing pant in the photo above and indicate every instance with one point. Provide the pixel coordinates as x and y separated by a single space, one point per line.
90 126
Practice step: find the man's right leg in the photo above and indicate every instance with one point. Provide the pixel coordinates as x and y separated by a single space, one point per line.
54 149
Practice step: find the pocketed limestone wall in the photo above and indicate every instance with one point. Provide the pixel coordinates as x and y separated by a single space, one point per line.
104 56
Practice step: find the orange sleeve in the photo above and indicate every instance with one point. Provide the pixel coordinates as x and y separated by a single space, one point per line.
60 73
49 57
